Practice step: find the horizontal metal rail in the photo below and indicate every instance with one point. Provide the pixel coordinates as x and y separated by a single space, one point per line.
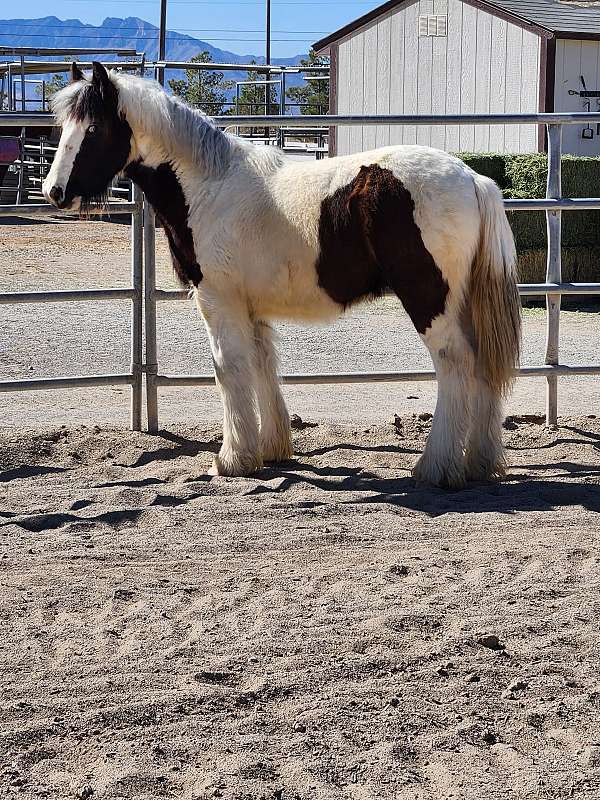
545 204
69 382
38 119
9 50
258 68
525 290
529 289
66 296
50 211
56 67
376 377
272 120
12 119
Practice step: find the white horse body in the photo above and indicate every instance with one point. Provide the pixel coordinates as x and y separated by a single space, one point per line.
258 225
272 206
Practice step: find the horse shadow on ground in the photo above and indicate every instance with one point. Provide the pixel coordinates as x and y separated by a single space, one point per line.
525 488
184 446
519 492
583 438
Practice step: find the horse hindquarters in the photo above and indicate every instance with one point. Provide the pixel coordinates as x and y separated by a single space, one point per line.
465 309
475 347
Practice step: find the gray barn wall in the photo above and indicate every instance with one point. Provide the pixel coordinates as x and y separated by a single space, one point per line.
485 65
575 58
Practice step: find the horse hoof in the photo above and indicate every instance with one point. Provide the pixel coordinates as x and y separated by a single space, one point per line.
235 465
450 476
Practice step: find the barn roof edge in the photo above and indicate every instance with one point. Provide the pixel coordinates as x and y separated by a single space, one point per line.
484 5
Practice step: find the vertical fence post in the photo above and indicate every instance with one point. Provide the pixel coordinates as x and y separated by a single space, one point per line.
21 178
137 238
150 318
282 91
23 88
554 269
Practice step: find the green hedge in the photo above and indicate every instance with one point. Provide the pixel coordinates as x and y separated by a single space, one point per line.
491 164
522 176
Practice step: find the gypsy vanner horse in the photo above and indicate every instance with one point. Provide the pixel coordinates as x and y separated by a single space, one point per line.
258 237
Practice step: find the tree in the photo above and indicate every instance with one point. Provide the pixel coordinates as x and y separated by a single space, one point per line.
313 97
53 86
252 97
202 88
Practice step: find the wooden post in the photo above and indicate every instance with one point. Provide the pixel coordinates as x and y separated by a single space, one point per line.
554 270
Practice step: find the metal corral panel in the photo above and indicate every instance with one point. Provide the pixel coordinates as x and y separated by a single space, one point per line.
483 65
573 60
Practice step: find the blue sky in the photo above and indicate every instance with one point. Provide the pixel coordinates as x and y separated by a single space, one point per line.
236 25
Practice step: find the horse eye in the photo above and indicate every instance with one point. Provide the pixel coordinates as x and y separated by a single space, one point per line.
91 130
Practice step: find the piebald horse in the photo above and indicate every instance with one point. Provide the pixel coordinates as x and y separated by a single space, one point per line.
258 237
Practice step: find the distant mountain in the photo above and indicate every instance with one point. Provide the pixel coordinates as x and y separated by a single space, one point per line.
131 32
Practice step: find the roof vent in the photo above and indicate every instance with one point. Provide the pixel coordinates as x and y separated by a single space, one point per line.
433 25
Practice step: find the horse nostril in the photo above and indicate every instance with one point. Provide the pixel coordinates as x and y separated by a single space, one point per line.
56 194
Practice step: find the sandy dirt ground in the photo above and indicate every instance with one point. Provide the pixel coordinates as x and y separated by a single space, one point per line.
323 630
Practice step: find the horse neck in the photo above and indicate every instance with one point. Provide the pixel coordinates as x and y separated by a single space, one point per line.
166 130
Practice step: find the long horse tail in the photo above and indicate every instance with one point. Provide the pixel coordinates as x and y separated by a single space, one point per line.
493 294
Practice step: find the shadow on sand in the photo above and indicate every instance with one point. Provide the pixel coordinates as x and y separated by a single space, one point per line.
521 491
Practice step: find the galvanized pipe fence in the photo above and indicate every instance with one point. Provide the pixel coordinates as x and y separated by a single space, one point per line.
554 204
144 294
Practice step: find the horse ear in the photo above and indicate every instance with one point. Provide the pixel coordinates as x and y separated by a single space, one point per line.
108 91
99 74
76 73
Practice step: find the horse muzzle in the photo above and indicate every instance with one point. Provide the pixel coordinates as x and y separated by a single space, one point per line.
56 196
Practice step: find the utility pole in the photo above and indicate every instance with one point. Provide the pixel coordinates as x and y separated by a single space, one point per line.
268 34
162 39
267 56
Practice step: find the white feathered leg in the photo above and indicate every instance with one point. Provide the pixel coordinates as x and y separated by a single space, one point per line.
485 453
231 334
275 436
443 460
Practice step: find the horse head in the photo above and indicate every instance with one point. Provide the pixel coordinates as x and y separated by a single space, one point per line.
95 143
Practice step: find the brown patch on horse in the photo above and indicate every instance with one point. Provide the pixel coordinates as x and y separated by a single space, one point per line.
162 188
369 242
